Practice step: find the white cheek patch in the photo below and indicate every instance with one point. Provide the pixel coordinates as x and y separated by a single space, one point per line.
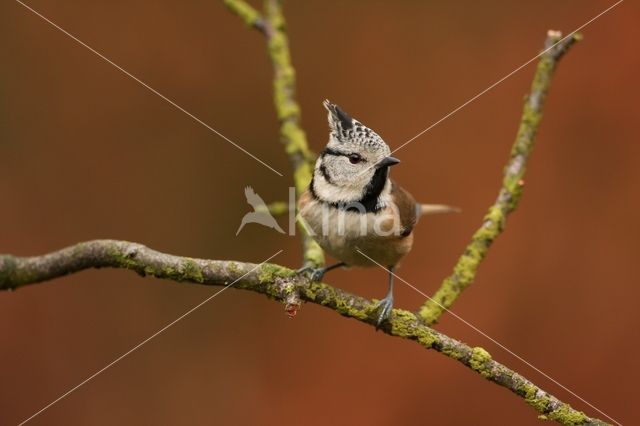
332 193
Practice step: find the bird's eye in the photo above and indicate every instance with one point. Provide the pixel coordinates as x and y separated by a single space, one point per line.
355 158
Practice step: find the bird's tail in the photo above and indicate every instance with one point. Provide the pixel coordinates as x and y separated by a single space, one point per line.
429 209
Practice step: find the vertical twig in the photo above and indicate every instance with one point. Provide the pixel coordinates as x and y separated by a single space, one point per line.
464 271
273 26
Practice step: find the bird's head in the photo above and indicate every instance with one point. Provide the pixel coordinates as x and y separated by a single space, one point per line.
355 163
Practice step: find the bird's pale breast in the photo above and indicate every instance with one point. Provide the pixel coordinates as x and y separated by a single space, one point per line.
344 234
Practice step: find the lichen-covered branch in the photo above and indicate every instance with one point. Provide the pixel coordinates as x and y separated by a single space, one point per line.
464 271
279 283
273 26
277 208
247 13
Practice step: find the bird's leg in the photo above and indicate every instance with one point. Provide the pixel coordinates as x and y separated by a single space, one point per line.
386 305
317 273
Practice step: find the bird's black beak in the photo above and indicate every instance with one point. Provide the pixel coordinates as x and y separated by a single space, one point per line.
387 162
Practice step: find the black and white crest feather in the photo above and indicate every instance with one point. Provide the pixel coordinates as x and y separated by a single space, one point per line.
345 129
347 170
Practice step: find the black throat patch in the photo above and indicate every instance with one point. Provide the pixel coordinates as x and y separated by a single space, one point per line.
369 200
373 190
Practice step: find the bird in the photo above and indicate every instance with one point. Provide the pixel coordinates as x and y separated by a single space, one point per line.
352 208
260 214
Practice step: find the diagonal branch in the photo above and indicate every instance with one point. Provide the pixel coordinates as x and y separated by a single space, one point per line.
273 26
464 272
249 15
278 282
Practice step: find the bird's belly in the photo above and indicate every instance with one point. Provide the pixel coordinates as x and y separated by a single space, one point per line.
367 251
356 238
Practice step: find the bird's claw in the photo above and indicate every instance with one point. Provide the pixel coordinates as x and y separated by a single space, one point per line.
303 270
385 306
315 274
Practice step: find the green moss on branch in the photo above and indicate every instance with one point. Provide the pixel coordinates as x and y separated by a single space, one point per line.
250 16
279 283
464 272
292 134
288 111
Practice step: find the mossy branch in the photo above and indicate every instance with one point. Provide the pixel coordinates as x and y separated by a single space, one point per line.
464 272
249 15
273 26
279 283
276 208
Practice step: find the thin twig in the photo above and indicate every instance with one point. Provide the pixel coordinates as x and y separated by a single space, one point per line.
276 208
273 26
247 13
278 282
283 284
464 272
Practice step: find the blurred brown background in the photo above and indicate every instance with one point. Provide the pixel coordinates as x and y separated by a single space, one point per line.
86 152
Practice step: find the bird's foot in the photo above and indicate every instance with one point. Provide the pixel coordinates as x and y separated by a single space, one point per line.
315 274
385 306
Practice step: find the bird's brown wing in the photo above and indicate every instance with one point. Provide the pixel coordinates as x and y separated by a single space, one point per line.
407 209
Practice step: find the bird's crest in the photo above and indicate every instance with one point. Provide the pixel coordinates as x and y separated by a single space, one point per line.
346 129
338 119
